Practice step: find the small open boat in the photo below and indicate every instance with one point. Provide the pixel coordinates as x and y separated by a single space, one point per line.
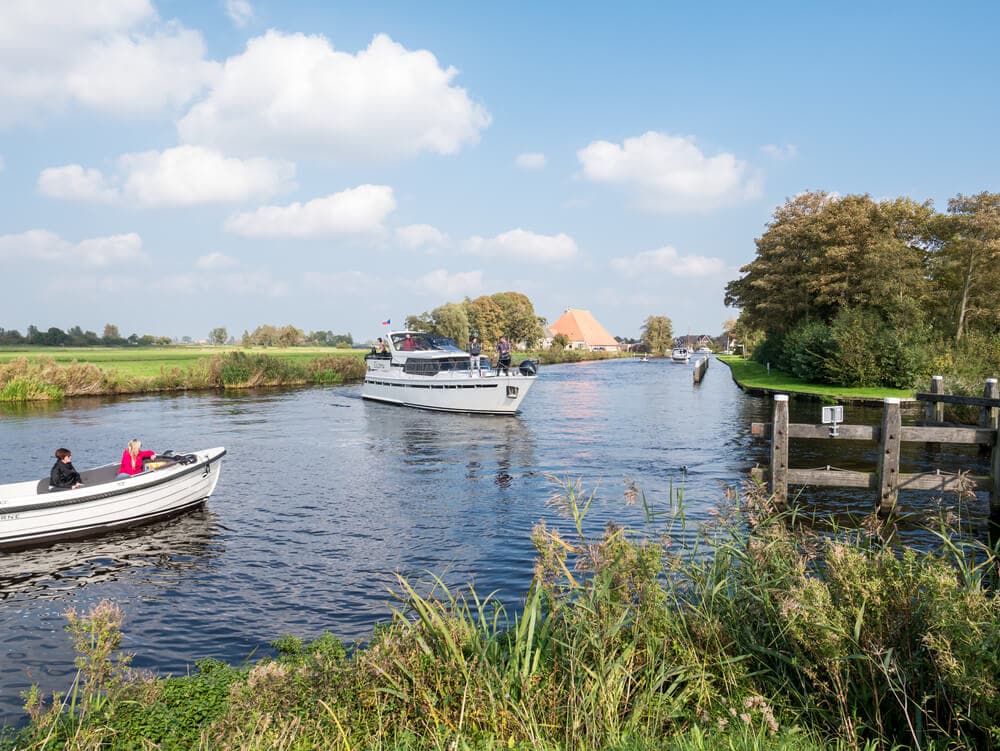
31 513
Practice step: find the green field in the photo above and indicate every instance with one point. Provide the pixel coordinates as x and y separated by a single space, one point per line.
754 375
146 362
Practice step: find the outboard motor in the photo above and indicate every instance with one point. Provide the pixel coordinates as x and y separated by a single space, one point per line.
528 367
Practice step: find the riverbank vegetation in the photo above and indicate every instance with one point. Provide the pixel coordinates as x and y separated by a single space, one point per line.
765 633
43 378
754 375
852 291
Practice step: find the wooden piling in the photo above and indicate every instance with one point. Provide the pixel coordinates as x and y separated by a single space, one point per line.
990 416
888 461
934 411
699 369
779 450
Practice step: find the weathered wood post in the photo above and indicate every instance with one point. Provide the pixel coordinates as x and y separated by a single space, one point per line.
779 450
934 411
888 460
988 416
699 369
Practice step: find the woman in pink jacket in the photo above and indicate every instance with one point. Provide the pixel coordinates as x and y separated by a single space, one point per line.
133 457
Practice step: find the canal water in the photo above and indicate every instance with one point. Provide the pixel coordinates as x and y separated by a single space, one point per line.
324 497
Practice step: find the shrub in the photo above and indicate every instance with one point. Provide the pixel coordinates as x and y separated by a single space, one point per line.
806 350
336 369
27 389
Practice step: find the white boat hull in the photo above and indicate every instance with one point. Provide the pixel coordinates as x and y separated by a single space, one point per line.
31 515
489 394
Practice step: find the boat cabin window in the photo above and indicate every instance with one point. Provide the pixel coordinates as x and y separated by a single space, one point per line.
435 366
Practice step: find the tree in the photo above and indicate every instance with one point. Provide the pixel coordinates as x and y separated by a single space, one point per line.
486 320
111 335
967 266
289 336
421 322
452 321
520 323
658 334
560 341
218 335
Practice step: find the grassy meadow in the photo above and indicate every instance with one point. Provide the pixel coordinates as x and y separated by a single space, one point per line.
147 362
752 374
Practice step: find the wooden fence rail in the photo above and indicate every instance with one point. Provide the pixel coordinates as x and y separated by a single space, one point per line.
887 480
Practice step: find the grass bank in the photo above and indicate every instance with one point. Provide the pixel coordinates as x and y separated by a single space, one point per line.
631 640
749 374
39 377
51 373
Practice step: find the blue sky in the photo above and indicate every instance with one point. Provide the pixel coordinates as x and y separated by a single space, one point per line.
174 166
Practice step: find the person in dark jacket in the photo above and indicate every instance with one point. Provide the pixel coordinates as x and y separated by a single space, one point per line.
475 352
503 356
64 475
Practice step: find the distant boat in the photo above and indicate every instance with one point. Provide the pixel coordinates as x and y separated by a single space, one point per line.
680 354
32 514
641 358
428 372
703 351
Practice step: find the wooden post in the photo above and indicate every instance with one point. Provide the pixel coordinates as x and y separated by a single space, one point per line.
779 450
934 411
699 369
988 415
888 461
990 418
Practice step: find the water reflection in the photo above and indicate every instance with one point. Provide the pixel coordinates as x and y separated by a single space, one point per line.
166 549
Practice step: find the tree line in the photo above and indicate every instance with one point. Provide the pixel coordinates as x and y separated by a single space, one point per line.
487 317
858 291
262 336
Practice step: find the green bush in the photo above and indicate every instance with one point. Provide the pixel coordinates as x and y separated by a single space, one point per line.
27 389
336 369
806 351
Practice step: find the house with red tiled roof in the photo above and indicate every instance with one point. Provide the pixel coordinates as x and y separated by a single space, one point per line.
582 330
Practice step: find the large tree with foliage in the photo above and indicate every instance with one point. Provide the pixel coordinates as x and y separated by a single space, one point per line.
822 254
658 334
451 320
486 320
966 269
218 335
520 323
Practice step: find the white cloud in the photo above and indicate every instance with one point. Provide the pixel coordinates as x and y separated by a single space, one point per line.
781 153
181 176
667 260
216 261
524 245
75 183
42 245
443 284
116 56
530 160
670 173
187 175
341 282
255 283
294 94
414 236
360 210
240 12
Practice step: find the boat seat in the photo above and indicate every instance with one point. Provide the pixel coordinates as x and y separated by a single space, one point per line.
42 487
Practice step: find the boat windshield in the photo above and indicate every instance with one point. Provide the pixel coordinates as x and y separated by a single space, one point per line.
411 342
444 343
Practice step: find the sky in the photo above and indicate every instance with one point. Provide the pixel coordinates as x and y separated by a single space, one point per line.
172 166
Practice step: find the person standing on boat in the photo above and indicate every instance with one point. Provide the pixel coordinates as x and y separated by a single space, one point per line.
381 348
503 356
64 475
475 351
132 459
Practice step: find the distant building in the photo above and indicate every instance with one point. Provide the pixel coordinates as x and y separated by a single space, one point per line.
583 332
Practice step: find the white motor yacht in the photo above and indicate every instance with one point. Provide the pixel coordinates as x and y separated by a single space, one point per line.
430 372
680 354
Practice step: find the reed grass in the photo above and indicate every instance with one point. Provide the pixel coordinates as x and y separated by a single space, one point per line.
42 378
758 632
